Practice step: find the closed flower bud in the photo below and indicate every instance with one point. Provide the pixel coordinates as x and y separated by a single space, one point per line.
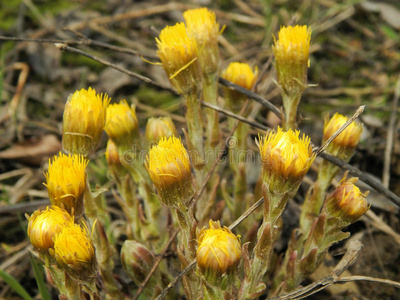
122 124
344 144
113 161
202 26
346 202
218 253
137 261
158 128
291 52
285 159
240 74
45 224
178 55
83 121
169 168
66 182
75 253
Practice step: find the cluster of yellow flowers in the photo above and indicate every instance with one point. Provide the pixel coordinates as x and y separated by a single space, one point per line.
189 54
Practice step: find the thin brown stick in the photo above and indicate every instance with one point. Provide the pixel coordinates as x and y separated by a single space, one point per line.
64 47
155 266
390 136
85 41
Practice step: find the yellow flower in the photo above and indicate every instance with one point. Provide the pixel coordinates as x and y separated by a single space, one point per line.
218 253
122 124
45 224
74 251
285 158
169 168
347 202
344 144
240 74
158 128
291 57
66 182
178 54
83 121
202 25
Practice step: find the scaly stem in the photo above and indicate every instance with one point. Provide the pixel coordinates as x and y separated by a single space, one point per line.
290 104
266 236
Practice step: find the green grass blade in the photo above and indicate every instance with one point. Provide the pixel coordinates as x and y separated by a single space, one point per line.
14 284
38 270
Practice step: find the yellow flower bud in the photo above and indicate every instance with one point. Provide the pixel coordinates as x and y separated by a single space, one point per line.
122 124
346 202
291 58
83 121
45 224
169 168
202 26
158 128
344 144
178 54
218 253
285 159
240 74
74 251
66 182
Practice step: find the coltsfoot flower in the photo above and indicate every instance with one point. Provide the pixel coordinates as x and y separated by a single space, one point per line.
66 182
240 74
285 159
344 144
218 253
122 124
178 55
347 202
169 168
202 25
158 128
45 224
115 166
83 121
291 52
74 251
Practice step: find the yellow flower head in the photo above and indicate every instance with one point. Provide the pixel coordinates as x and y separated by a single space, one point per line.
66 182
122 124
240 74
347 202
344 144
286 158
291 57
83 121
201 24
45 224
169 168
178 54
74 251
218 252
158 128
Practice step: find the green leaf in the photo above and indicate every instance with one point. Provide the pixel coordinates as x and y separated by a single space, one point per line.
14 284
38 270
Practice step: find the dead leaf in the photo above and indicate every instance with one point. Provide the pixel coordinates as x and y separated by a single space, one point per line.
33 151
388 12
